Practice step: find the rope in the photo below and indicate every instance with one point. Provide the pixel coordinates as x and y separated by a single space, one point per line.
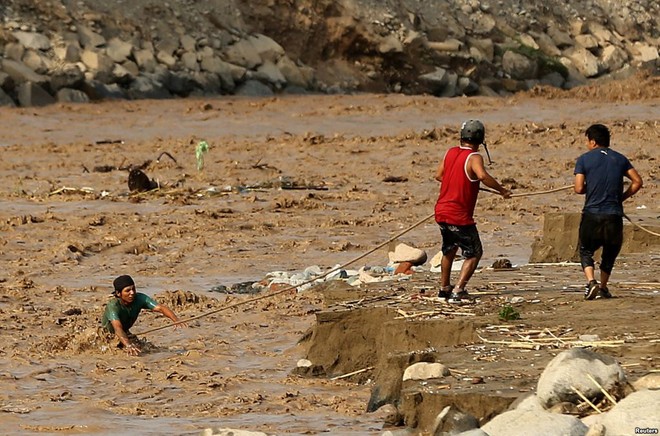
529 194
640 227
292 287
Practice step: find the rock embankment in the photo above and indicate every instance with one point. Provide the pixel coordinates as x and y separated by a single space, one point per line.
57 51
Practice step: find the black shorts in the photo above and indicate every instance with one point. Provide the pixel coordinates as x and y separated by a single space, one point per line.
598 231
464 237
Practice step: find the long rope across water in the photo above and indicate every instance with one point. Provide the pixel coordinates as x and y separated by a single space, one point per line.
317 278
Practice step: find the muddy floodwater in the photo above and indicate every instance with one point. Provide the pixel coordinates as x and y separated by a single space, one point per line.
287 183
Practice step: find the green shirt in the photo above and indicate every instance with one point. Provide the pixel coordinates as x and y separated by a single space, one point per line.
127 315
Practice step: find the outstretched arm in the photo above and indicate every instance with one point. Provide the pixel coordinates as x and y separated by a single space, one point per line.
161 308
476 167
636 184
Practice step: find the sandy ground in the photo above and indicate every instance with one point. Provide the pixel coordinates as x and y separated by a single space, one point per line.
69 226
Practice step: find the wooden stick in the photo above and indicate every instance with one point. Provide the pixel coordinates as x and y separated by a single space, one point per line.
359 371
593 406
514 282
552 334
607 394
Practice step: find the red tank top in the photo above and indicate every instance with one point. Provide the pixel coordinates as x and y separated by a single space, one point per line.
458 194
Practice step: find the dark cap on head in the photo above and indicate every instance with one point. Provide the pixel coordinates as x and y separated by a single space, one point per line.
473 131
122 282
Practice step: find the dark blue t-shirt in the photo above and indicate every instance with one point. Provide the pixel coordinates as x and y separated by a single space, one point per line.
603 171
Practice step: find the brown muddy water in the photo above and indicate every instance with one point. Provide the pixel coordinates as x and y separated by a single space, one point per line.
232 369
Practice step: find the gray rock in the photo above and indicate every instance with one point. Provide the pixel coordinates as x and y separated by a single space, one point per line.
222 69
578 27
467 86
32 40
31 94
5 100
147 86
291 72
89 39
188 43
101 91
534 422
559 37
20 73
553 79
596 430
529 41
68 95
97 62
570 369
168 45
518 66
451 421
14 51
189 60
243 53
527 402
122 75
254 88
131 67
119 50
436 80
584 61
145 60
546 44
269 73
474 432
399 252
6 82
645 52
575 77
587 41
390 44
600 33
181 83
425 371
238 73
649 381
36 61
266 48
69 52
69 76
166 59
207 83
638 410
613 58
485 48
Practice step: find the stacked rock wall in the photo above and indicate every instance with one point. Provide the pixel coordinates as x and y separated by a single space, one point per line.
89 50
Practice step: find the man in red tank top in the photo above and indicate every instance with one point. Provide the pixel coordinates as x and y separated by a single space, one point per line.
460 174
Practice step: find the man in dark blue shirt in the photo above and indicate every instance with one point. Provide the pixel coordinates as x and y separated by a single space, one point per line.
599 174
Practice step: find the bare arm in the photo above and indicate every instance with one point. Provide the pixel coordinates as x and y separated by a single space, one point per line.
440 171
130 348
580 187
476 167
161 308
636 184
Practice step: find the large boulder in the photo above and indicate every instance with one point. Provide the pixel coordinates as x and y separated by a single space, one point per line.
634 414
534 422
571 369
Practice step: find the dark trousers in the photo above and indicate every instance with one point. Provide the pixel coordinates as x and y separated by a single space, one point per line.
598 231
